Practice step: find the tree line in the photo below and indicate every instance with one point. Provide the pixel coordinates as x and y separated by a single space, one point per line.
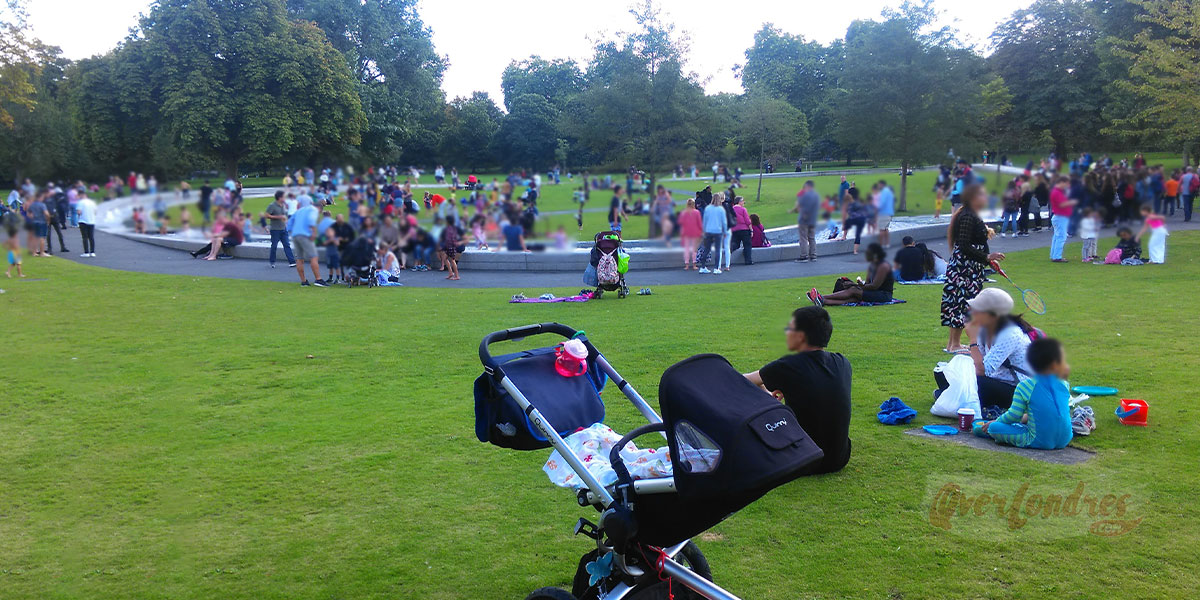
257 84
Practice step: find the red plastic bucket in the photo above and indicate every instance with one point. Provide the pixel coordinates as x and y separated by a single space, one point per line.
1133 412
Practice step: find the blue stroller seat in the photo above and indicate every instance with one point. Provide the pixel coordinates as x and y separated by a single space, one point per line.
570 403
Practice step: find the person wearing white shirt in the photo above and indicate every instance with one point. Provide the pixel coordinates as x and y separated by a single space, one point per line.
86 210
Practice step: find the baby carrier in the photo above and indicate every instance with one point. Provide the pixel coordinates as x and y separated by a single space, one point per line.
729 444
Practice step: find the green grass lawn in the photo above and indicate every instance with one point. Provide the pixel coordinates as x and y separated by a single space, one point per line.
179 437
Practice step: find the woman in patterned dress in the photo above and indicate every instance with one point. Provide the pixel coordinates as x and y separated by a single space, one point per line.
968 239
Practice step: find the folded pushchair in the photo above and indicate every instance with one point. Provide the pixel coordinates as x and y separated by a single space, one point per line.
358 260
729 443
603 275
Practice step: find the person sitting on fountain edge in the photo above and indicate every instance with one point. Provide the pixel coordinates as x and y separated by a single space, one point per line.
815 384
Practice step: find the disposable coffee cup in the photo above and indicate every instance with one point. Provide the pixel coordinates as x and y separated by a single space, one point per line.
966 417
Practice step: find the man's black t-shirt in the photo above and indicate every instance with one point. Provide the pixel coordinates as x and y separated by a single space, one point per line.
816 386
912 263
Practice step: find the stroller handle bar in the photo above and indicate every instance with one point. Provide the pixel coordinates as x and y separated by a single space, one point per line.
516 333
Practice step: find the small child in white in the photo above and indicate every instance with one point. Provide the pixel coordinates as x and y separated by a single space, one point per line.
1089 231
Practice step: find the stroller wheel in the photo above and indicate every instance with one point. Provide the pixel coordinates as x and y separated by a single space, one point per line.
651 589
550 593
621 293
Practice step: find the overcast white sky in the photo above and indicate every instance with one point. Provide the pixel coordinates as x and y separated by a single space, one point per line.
482 36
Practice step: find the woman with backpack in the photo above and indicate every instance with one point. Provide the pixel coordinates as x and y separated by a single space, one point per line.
998 344
967 236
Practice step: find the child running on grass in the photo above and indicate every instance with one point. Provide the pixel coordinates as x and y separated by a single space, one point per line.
1040 415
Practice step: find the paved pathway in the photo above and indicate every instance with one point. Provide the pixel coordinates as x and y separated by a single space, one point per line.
115 252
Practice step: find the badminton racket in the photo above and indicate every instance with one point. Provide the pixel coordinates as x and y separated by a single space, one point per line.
1032 300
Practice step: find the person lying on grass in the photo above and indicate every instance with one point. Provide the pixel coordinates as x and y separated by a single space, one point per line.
878 287
1040 415
815 384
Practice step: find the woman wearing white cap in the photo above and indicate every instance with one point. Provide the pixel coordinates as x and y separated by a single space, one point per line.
998 343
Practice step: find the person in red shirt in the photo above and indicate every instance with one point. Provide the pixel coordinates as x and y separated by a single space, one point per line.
1061 208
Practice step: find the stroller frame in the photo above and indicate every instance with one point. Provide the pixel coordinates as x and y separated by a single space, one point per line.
596 494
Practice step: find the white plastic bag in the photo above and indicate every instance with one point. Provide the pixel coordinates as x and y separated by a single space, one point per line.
592 446
963 391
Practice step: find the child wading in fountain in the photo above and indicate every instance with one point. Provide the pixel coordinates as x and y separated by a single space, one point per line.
477 230
450 248
1089 231
1040 415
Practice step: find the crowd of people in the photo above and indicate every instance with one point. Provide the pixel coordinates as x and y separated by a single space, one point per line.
332 210
43 214
1083 197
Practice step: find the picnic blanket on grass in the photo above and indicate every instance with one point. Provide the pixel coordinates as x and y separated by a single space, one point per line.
520 299
894 301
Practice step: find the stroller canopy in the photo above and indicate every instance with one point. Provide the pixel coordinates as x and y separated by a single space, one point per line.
729 439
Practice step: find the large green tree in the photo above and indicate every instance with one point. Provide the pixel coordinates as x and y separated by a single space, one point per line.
639 105
995 128
19 63
1163 75
469 130
395 66
39 141
804 73
237 80
788 66
770 128
907 92
528 136
1047 55
115 109
555 80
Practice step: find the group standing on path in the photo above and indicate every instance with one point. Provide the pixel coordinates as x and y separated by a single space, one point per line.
41 212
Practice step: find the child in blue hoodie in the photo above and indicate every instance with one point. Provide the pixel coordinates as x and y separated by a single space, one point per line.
1040 415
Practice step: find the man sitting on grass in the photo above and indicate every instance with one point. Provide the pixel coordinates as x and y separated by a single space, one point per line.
1040 415
815 384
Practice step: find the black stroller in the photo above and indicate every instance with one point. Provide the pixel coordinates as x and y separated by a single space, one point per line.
358 260
607 247
730 443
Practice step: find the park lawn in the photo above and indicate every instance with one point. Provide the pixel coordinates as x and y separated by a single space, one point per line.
318 443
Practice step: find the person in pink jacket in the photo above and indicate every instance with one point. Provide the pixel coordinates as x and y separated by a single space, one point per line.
691 229
741 230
